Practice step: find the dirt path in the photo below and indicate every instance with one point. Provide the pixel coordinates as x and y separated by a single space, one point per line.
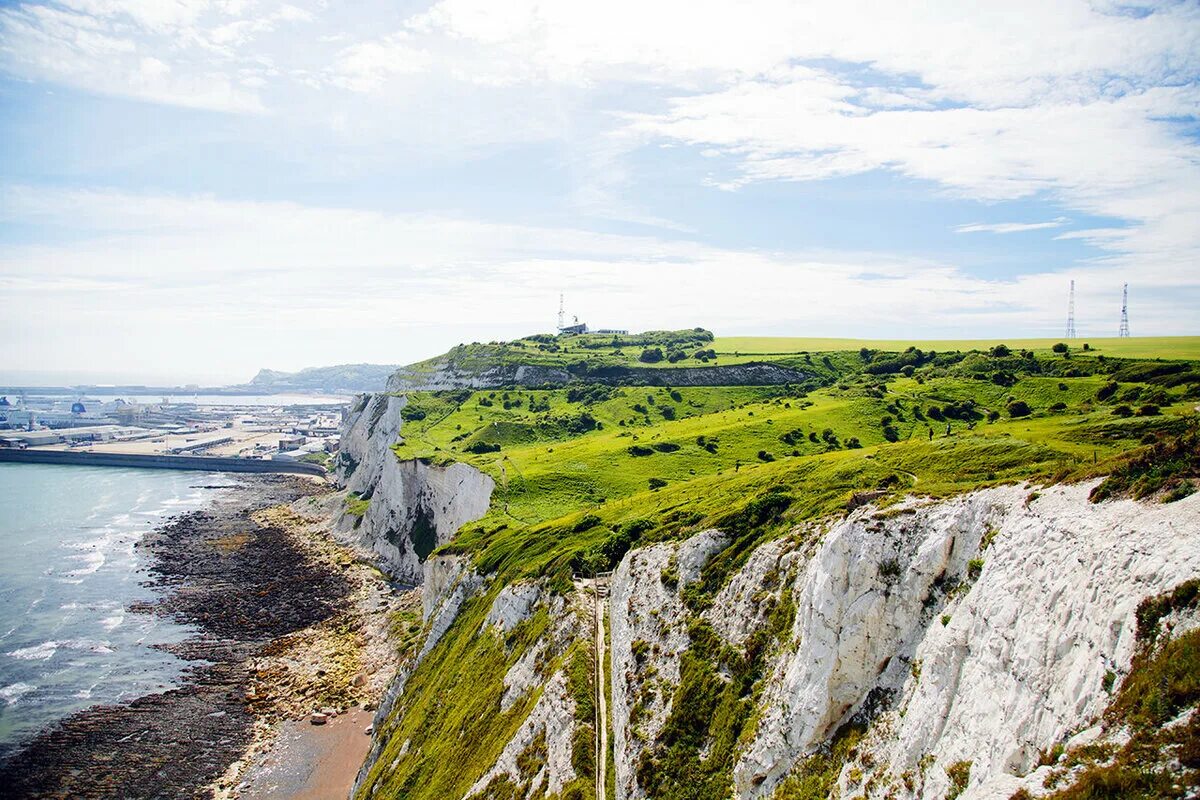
600 588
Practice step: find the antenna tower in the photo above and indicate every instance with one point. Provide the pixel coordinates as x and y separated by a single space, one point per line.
1124 331
1071 312
561 314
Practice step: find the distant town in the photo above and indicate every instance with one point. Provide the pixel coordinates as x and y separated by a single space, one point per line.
295 429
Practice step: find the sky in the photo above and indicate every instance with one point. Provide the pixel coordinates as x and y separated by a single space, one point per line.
191 190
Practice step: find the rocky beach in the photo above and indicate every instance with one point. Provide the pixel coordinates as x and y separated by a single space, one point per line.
289 626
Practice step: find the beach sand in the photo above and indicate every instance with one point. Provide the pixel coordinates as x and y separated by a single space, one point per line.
311 762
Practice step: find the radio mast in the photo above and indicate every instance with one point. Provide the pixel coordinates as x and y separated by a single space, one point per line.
1071 312
561 313
1124 331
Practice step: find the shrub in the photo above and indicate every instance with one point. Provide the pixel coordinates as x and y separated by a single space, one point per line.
665 447
483 447
1061 347
1148 411
852 443
1106 391
1001 351
638 450
1122 411
763 455
651 355
1019 408
959 774
657 483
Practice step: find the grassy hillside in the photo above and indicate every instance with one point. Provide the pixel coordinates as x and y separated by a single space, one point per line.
941 422
1168 347
586 472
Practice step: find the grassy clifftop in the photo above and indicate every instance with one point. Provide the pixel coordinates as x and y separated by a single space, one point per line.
587 471
573 465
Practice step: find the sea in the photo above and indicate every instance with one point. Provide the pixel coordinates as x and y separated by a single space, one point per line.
68 572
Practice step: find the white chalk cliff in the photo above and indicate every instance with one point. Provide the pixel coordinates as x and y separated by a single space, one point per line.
983 626
414 507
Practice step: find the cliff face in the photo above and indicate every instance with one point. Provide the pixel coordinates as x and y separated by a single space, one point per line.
411 507
448 375
958 640
978 629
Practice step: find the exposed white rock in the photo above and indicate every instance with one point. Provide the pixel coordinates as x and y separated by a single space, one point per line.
414 507
742 604
523 675
513 605
449 582
647 610
553 715
1021 665
1037 620
861 610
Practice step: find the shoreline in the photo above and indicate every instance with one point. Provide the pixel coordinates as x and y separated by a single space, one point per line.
288 621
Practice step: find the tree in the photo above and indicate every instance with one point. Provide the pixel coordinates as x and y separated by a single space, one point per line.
1019 408
651 355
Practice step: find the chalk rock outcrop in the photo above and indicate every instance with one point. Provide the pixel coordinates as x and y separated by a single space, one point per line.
413 508
978 628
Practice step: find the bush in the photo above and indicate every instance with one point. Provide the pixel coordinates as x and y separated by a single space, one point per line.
657 483
1148 411
483 447
1019 408
651 355
1061 347
1122 411
763 455
638 450
1106 391
852 443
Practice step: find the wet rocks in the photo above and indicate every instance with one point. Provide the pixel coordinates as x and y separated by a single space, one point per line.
243 584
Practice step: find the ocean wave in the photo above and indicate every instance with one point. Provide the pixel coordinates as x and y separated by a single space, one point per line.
92 562
15 691
37 652
46 650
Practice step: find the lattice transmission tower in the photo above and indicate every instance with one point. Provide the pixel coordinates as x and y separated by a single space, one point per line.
1071 312
1124 331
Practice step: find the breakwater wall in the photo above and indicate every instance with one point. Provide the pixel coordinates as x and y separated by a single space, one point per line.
147 461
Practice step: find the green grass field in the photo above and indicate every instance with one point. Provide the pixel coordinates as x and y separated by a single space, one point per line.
1169 347
670 460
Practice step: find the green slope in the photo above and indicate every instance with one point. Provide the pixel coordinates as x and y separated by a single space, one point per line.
585 473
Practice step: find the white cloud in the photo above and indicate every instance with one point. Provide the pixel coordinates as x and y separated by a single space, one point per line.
1011 227
198 280
365 66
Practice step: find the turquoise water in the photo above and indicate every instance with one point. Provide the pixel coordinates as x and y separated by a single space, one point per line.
68 571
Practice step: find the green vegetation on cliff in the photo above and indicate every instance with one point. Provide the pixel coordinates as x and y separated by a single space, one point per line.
587 471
